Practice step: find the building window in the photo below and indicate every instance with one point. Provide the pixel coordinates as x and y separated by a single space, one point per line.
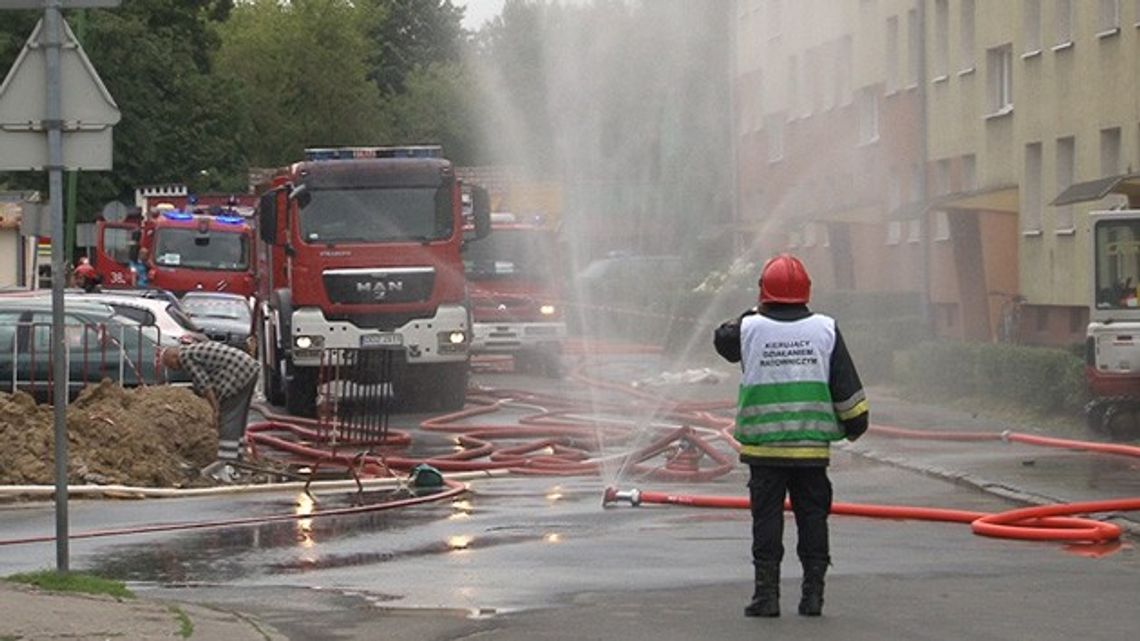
894 191
844 78
1066 168
809 68
941 226
969 172
826 71
914 231
775 138
942 177
774 19
1077 320
894 232
913 38
1031 215
868 115
1109 19
966 35
999 62
916 183
1031 25
941 38
793 87
809 235
892 54
1042 319
1064 19
1110 152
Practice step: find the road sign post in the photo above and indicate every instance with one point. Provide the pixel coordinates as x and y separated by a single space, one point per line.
24 121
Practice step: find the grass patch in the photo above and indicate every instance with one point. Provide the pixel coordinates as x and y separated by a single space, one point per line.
72 582
185 625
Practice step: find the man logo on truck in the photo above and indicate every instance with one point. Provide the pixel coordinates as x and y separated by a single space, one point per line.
379 288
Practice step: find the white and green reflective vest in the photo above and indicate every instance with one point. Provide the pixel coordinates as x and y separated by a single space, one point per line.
785 407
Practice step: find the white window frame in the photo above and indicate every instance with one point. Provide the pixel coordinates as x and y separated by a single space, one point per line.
999 66
1110 151
1031 27
969 172
1031 215
940 64
913 48
966 37
893 79
775 138
1063 22
868 115
941 226
894 232
1066 166
1108 18
914 231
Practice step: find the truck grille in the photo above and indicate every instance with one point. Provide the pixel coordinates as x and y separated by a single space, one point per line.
370 286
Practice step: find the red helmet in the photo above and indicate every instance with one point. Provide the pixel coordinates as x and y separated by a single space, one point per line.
85 270
784 280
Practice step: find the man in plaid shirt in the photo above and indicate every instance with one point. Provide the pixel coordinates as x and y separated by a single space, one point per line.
225 376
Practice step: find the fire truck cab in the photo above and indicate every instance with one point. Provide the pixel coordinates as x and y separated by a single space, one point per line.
516 293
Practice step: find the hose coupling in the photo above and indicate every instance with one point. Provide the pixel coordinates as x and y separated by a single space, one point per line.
613 495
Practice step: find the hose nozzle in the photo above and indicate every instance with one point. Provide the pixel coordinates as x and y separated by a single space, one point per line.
613 495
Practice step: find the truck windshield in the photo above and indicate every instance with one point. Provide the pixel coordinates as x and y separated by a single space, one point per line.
376 214
511 254
223 251
1117 264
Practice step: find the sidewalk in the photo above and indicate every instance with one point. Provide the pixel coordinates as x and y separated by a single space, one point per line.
29 614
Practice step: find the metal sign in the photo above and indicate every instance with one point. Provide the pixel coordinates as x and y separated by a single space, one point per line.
88 111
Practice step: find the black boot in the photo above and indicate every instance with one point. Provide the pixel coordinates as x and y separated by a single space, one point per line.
811 603
766 597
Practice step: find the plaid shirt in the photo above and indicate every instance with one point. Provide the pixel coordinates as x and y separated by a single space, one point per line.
222 368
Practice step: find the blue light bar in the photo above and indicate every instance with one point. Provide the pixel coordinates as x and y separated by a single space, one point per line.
229 220
351 153
177 215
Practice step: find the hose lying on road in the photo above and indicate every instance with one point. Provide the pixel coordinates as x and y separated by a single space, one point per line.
1042 523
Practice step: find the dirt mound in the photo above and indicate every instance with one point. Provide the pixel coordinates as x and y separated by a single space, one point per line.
152 436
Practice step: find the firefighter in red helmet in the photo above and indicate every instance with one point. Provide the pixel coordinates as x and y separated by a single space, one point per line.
799 391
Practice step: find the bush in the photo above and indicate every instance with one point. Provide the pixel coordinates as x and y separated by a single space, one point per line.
1047 380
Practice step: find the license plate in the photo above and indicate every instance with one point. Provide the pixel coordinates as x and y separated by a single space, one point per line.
381 340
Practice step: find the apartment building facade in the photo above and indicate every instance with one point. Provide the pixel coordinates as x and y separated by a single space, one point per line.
827 139
1025 115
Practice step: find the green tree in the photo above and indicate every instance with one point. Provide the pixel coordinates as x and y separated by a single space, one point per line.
303 69
435 107
407 35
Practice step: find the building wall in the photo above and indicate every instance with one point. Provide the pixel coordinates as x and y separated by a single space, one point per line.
1063 87
828 138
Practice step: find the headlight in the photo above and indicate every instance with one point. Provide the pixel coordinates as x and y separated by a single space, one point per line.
456 338
304 342
546 310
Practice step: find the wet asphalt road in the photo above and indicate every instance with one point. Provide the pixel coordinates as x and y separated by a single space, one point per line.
538 557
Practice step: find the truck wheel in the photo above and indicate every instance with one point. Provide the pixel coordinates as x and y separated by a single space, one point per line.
450 393
301 392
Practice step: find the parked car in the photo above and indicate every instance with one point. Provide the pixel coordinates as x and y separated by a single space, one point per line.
174 324
226 318
100 344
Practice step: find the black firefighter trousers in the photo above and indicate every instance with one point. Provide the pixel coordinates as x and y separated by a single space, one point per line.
810 493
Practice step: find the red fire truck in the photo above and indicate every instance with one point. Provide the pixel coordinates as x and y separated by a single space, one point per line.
207 244
364 252
516 294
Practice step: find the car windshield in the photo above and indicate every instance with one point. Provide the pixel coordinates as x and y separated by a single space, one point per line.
376 214
511 254
202 307
225 251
